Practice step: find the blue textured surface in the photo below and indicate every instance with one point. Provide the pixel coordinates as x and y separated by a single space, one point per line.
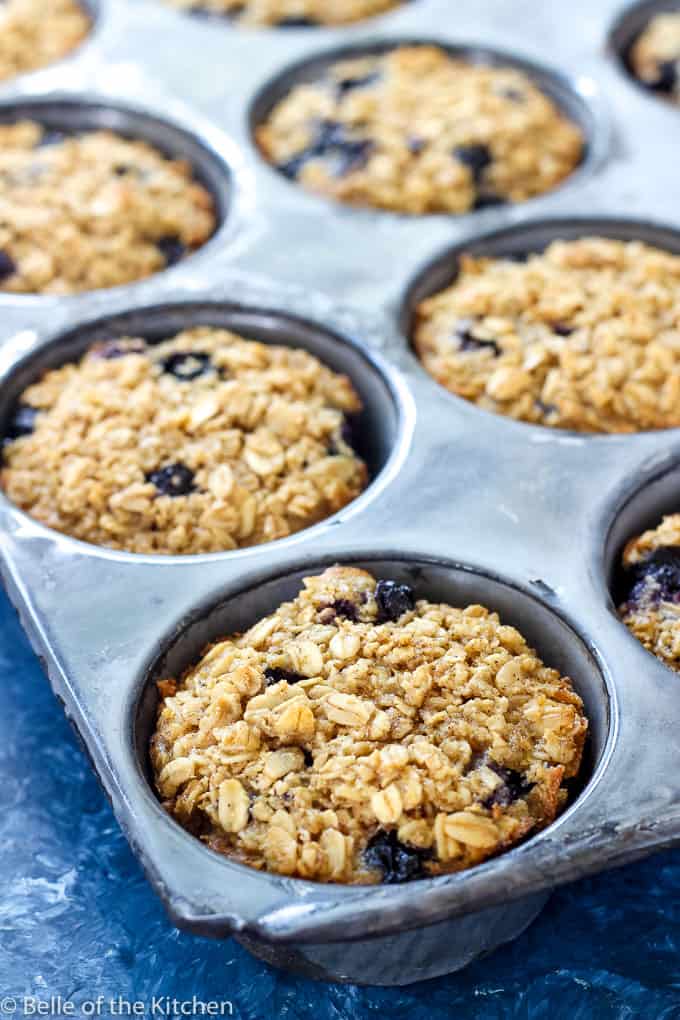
77 918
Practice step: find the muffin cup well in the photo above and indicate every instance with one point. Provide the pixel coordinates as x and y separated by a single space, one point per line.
379 432
626 30
566 93
463 940
72 115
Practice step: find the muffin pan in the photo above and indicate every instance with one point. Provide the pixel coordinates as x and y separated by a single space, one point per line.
463 504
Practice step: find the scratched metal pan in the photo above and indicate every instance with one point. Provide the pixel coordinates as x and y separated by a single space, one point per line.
464 505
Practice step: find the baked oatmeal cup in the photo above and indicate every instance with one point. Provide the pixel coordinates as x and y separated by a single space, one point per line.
80 212
289 13
417 130
583 336
361 735
36 33
651 590
200 443
654 57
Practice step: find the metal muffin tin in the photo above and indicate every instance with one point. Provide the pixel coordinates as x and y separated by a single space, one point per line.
465 505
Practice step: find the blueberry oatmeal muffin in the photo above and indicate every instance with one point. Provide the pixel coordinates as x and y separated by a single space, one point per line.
35 33
360 735
197 444
584 336
86 211
655 55
289 13
416 130
651 590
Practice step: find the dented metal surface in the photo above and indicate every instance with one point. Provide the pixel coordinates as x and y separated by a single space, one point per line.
462 502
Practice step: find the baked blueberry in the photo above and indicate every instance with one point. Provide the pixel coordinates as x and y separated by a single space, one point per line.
345 609
393 600
300 22
7 265
274 675
188 365
344 85
487 200
467 341
51 137
332 143
668 77
416 145
172 249
657 577
562 329
515 785
22 422
173 480
116 349
475 157
396 861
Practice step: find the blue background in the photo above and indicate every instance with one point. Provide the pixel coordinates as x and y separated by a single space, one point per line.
77 918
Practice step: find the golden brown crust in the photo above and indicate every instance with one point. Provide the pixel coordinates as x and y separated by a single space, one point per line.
585 336
416 130
355 735
92 210
36 33
201 443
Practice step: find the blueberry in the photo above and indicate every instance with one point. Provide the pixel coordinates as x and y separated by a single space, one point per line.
309 758
7 266
172 249
544 408
300 22
487 200
332 143
274 675
115 349
657 577
562 329
344 85
475 157
51 136
393 600
667 79
514 95
22 422
396 861
187 365
173 480
344 608
514 786
467 341
416 145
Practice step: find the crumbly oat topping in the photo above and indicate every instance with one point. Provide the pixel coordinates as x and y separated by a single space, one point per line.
417 131
202 443
651 609
358 735
35 33
655 55
585 336
291 13
92 210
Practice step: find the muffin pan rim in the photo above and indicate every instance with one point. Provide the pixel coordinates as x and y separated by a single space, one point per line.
36 566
